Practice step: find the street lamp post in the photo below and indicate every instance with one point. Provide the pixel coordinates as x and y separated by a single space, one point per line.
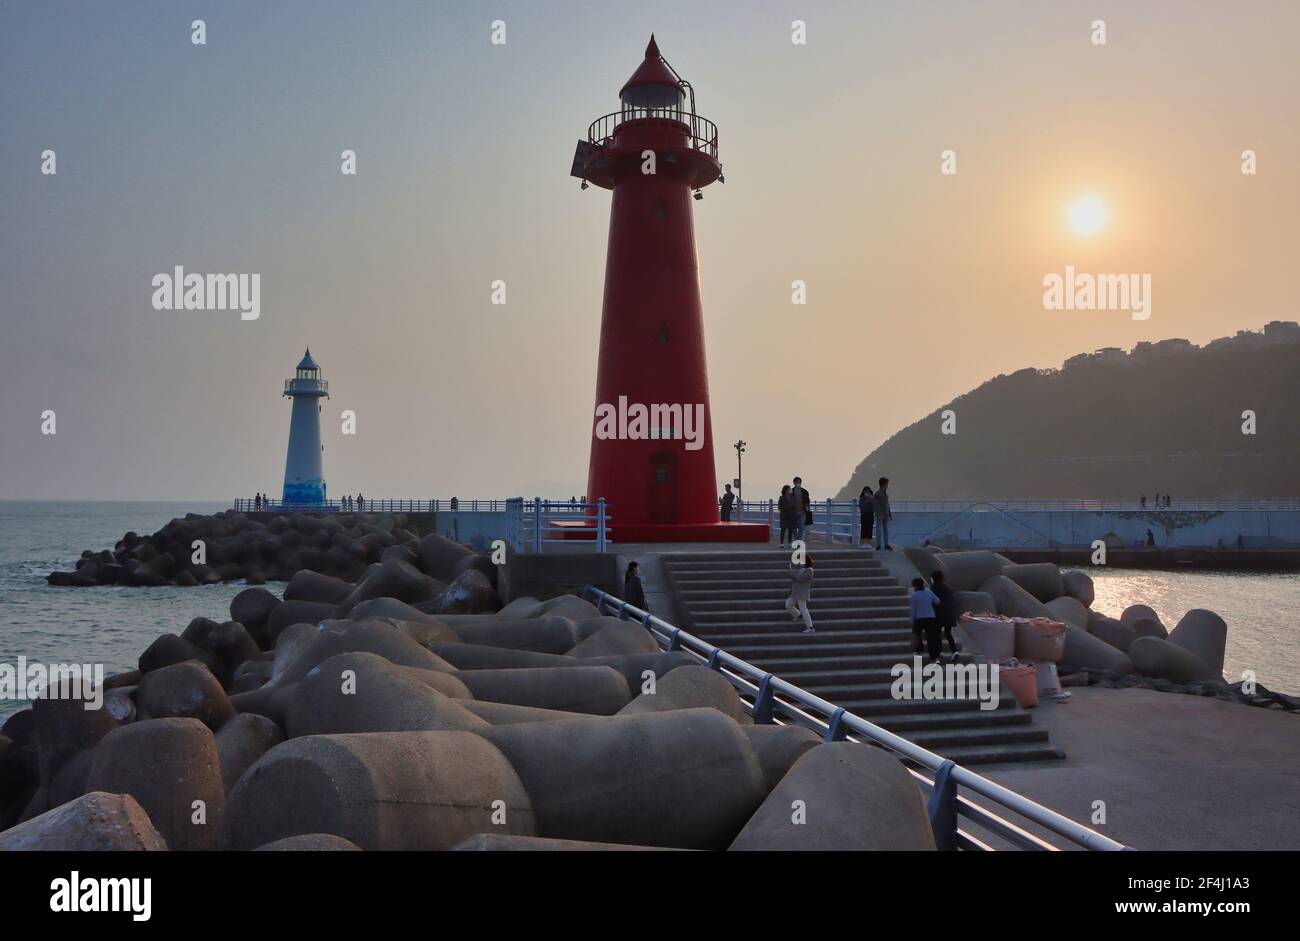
740 449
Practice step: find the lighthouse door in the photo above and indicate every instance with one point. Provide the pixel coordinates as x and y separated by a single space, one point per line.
663 487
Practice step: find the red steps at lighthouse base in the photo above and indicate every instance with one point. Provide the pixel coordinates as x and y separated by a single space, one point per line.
690 532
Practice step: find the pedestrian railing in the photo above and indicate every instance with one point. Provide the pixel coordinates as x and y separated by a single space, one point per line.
540 523
771 700
368 505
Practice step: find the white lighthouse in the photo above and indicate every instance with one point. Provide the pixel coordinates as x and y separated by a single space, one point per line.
304 477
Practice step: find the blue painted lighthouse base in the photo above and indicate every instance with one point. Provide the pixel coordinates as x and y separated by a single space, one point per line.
305 493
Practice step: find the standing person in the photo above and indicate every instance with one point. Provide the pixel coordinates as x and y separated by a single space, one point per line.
925 619
1151 538
785 509
633 590
361 502
866 514
801 579
880 502
728 501
1144 501
801 505
946 611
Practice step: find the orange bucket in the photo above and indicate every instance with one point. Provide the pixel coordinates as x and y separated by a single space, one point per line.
1022 679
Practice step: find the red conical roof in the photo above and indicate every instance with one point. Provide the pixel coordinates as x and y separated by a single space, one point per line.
653 71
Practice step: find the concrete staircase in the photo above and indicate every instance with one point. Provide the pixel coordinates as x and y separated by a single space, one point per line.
735 600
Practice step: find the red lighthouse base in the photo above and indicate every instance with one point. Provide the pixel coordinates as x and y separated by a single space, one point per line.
690 532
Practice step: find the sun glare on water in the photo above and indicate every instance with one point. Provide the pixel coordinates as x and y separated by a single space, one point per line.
1086 215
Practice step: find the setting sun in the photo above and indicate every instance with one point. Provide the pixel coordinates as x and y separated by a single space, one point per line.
1087 215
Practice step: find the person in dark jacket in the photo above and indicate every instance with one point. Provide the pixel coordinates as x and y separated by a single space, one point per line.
785 508
633 591
728 501
946 610
866 514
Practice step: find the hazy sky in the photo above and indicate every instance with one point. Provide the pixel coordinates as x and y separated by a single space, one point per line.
225 158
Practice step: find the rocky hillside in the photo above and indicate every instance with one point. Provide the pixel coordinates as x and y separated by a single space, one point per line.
1165 417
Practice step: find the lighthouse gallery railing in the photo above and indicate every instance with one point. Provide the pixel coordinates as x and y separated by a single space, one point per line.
702 132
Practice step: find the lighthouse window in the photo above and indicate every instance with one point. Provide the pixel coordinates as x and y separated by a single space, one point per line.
653 101
661 209
661 475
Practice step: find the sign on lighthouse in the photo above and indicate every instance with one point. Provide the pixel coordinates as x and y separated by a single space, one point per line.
652 429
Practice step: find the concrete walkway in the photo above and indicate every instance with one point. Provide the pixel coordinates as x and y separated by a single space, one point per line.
1176 772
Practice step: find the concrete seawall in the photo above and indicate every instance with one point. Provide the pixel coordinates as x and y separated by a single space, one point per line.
994 528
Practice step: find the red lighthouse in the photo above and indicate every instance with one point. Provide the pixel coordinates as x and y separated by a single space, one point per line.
652 432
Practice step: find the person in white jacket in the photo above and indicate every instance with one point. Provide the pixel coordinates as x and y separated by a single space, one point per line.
801 579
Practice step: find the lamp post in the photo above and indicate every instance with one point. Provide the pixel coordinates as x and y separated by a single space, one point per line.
740 449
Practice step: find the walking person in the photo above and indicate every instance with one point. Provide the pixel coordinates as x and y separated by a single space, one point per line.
880 503
801 579
633 590
866 514
728 501
946 611
801 504
925 620
785 509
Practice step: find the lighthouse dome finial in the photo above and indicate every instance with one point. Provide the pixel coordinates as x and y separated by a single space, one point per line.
652 71
307 361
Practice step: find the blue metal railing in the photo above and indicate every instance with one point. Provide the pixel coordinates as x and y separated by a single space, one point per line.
773 700
566 523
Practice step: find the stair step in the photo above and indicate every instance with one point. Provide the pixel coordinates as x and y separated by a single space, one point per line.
942 740
796 645
870 709
745 601
1013 752
887 610
907 722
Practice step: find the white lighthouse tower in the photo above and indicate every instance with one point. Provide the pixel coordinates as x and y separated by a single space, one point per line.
304 477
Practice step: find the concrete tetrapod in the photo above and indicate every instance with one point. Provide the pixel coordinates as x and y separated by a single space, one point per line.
1153 656
616 638
598 691
1069 610
967 571
362 692
171 767
310 842
96 821
498 842
1114 632
64 726
1079 585
1205 634
1135 612
184 690
690 687
547 634
685 779
377 637
778 747
1040 579
381 791
241 741
841 796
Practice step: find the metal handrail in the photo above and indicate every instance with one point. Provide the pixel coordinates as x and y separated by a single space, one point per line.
702 132
774 695
1086 505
